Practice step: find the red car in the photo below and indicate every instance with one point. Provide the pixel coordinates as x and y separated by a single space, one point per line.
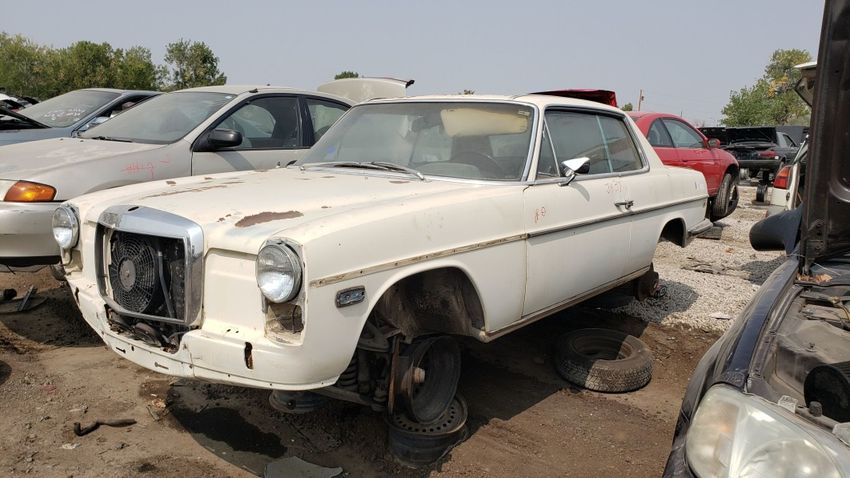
678 143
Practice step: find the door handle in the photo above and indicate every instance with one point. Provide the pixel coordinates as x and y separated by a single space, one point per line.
626 204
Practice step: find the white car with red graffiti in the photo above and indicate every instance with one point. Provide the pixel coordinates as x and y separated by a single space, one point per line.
190 132
350 273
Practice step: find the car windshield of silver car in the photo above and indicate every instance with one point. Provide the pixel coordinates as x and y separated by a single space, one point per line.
163 119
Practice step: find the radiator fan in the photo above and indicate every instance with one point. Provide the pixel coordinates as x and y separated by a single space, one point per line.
134 273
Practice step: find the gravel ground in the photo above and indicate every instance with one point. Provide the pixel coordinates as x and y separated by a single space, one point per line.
729 273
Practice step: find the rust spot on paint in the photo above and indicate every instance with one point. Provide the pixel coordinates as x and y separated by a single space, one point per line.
207 178
266 216
326 207
399 182
170 183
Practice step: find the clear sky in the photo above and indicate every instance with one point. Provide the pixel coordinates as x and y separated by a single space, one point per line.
686 55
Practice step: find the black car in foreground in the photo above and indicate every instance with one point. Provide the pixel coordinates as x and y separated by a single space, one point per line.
772 397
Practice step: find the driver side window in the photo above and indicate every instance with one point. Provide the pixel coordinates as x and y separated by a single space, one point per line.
266 123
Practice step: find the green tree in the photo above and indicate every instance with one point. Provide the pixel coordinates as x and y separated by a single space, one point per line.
134 69
771 100
27 68
346 74
190 64
628 107
23 66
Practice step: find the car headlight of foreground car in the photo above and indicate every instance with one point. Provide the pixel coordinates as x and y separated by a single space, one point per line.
738 435
66 227
278 272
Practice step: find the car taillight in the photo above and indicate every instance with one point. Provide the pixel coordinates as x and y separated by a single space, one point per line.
781 180
769 154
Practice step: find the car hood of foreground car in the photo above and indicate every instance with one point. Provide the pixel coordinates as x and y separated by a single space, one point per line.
33 160
239 211
825 230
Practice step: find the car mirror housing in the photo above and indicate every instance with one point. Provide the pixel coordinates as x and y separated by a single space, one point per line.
713 143
91 124
570 168
778 232
219 139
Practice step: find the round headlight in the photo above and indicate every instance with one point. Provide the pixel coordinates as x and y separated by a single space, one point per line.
66 227
278 273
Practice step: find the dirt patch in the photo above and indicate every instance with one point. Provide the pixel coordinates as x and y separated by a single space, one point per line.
266 216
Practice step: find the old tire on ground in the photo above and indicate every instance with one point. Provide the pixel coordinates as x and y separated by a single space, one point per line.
603 360
761 192
416 444
296 403
726 200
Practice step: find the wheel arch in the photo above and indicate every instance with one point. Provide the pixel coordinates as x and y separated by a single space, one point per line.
438 297
675 231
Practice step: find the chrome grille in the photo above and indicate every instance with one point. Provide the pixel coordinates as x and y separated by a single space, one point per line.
150 264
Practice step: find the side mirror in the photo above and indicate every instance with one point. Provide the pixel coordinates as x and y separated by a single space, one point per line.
91 124
777 232
713 143
219 139
570 168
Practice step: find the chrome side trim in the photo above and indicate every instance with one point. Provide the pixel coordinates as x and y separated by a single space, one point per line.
153 222
611 217
486 336
414 260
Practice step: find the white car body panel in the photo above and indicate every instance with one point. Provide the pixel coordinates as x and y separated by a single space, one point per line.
526 247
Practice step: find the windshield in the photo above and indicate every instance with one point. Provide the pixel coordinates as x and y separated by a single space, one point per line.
163 119
451 139
65 110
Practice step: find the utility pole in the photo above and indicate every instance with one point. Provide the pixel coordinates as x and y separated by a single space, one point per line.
640 99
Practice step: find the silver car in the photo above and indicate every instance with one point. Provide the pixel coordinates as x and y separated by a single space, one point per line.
66 115
198 131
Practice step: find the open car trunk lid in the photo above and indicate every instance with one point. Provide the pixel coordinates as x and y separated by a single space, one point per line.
365 89
825 229
25 119
606 97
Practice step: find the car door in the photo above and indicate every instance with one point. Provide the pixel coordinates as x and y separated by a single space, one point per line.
662 143
787 147
273 135
578 234
694 152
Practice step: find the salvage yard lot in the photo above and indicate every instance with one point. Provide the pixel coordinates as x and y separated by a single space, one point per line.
523 420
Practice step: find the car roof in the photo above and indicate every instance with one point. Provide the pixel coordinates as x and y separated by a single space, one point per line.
240 89
132 92
541 101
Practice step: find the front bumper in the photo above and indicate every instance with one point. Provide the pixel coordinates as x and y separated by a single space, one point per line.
220 356
26 238
677 465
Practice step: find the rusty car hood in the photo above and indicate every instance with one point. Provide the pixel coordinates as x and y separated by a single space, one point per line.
825 230
241 210
32 159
